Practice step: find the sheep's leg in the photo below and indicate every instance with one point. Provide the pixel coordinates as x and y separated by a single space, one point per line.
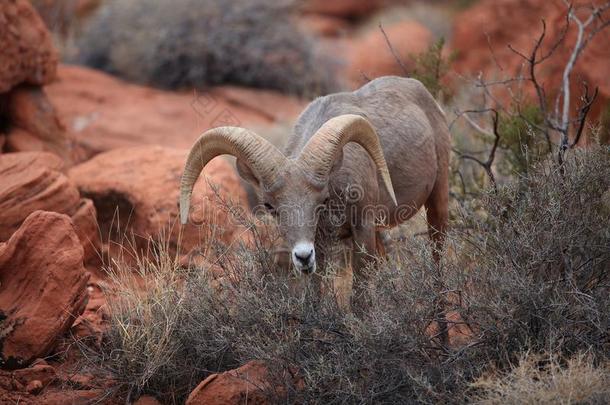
437 215
364 247
341 269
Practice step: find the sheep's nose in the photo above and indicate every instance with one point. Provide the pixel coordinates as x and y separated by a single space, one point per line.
303 256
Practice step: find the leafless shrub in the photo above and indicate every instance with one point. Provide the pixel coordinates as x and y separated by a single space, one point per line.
527 272
537 264
196 43
545 124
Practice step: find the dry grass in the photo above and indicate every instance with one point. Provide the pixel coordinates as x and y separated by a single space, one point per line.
539 380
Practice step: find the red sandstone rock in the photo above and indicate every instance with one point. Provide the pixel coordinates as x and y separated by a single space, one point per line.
33 118
103 113
498 23
93 322
31 181
84 219
343 8
43 373
137 189
246 384
323 25
43 287
27 54
370 55
147 400
34 387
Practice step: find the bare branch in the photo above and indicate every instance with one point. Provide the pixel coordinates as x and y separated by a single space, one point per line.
394 53
487 165
587 102
582 39
493 54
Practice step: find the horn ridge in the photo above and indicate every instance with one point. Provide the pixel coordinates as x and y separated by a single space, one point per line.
263 159
324 147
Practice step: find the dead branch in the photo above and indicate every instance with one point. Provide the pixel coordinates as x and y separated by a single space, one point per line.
594 24
405 71
587 102
487 164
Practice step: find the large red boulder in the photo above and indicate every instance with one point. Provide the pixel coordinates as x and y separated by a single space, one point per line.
343 8
247 384
369 56
494 24
102 112
136 190
27 54
31 181
35 125
30 110
43 287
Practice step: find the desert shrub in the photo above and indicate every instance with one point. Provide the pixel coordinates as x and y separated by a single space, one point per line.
172 326
431 68
538 258
522 142
196 43
540 380
526 272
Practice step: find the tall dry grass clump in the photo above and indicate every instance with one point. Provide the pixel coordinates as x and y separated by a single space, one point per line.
527 271
546 381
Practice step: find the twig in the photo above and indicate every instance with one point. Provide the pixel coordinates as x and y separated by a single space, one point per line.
587 102
487 164
394 53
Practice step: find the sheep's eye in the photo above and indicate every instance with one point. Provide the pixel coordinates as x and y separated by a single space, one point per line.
326 200
269 207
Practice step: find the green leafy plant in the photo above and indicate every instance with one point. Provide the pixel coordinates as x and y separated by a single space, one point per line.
431 67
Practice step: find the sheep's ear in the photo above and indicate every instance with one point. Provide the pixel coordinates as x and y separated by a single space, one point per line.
246 174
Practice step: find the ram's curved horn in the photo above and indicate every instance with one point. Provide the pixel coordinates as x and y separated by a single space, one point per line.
323 149
260 156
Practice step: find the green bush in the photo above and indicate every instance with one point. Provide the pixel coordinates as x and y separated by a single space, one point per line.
522 142
184 43
431 67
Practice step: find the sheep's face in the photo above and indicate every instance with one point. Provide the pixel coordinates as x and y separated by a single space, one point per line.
295 203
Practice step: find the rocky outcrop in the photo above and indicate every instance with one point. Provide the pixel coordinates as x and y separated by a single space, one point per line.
43 287
137 190
147 400
497 23
31 181
26 48
28 61
101 112
34 123
323 25
343 8
247 384
369 56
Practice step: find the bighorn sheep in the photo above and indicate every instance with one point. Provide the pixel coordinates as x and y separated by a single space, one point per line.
391 126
